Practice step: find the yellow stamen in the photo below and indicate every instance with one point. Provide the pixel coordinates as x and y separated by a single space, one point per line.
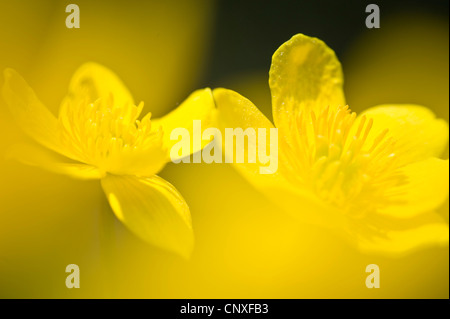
101 132
331 155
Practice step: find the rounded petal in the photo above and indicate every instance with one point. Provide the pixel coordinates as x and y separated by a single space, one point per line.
40 157
305 75
236 112
426 189
92 81
418 134
153 210
198 106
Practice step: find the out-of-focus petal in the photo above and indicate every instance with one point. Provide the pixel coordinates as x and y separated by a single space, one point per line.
142 41
31 115
153 210
305 206
42 158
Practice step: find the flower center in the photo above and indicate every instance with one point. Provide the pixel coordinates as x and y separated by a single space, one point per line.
335 155
102 134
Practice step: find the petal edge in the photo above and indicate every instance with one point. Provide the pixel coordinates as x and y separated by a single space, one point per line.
153 210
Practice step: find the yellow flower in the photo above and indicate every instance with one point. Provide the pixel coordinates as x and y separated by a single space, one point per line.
375 178
98 136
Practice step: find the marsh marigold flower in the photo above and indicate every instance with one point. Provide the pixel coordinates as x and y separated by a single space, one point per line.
98 135
375 178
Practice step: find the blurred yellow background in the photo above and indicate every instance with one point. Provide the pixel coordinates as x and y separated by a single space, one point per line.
245 247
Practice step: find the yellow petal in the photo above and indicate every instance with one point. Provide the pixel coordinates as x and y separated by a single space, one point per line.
397 237
418 134
198 106
305 75
153 210
42 158
145 161
235 111
426 189
31 115
92 81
